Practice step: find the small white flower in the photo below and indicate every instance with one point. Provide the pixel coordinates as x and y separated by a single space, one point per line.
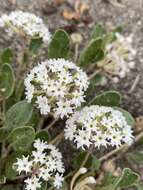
57 86
26 23
98 125
40 145
43 105
32 183
44 164
58 181
23 165
38 157
119 58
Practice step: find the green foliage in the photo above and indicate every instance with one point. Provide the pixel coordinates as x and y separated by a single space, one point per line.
139 186
35 45
6 80
60 45
43 186
10 172
128 179
98 31
92 53
34 120
18 115
92 163
6 56
107 39
109 98
97 80
130 120
136 156
21 138
3 133
109 179
43 135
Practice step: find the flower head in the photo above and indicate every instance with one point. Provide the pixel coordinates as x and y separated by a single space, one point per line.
44 164
119 57
99 126
57 85
25 23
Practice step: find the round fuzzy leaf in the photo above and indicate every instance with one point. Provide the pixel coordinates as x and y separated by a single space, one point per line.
10 172
60 45
92 53
6 56
6 80
107 39
35 45
18 115
127 179
3 133
43 135
109 98
34 120
22 138
129 118
98 31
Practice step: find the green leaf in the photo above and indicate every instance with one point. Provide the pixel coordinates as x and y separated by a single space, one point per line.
108 187
3 133
128 178
6 56
107 39
10 172
118 29
109 179
6 80
129 118
98 80
21 138
43 135
35 45
98 31
92 163
18 115
92 53
43 186
136 156
109 98
34 121
60 45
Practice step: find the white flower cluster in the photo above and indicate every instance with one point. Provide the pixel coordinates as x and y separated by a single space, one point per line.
44 164
57 85
26 23
99 126
119 59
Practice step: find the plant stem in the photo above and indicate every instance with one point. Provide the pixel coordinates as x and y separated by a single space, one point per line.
85 159
58 138
53 122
